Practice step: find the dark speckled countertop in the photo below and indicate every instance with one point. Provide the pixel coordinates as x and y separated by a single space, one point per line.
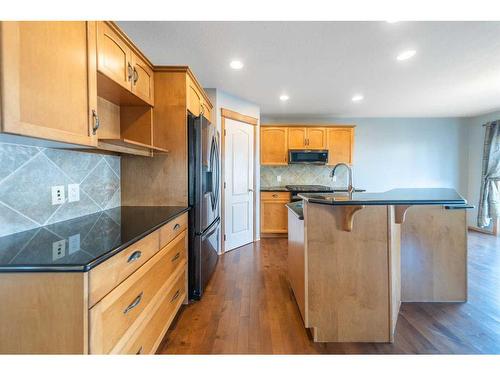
412 196
297 208
88 240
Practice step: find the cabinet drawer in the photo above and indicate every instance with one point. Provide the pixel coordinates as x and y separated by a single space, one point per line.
149 336
275 195
121 310
107 275
172 229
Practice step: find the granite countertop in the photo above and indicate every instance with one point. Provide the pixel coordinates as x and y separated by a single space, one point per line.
413 196
88 240
297 209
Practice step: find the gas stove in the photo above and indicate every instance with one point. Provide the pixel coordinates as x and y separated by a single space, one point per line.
309 188
297 189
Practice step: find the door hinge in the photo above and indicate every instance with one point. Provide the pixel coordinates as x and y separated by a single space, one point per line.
224 184
224 237
224 132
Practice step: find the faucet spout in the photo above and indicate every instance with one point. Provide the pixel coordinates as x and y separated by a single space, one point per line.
350 188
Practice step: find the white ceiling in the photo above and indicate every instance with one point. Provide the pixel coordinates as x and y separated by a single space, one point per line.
321 65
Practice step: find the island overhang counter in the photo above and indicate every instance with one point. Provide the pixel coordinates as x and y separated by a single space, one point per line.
365 253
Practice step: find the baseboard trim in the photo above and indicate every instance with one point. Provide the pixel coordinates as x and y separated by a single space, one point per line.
480 230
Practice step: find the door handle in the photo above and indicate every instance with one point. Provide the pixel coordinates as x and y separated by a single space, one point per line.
250 190
97 123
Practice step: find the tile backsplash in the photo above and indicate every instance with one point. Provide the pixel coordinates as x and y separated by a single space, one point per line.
27 174
301 174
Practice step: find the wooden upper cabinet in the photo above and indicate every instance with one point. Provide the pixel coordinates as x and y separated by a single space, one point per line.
48 80
340 144
113 56
142 79
297 138
274 145
316 138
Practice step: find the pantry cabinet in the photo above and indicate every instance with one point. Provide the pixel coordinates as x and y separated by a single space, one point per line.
47 70
274 146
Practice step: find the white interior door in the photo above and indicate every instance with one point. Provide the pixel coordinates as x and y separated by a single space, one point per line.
238 176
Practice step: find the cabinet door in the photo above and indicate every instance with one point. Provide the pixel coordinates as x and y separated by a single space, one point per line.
142 80
297 138
273 146
274 216
113 56
207 111
340 145
49 80
193 98
316 138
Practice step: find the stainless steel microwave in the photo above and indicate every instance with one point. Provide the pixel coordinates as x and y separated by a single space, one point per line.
307 156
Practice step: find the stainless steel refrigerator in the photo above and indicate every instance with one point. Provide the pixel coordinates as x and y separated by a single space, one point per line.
204 198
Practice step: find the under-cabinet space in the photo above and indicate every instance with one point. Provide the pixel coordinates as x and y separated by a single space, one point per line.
127 129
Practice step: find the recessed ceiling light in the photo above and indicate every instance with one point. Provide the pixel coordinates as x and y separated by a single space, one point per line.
284 97
236 64
405 55
357 98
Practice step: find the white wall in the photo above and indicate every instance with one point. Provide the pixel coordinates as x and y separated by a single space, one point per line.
475 145
404 152
221 99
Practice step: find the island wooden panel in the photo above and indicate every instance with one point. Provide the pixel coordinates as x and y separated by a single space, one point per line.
349 290
434 255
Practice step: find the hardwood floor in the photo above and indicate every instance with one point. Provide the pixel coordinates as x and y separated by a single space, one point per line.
249 308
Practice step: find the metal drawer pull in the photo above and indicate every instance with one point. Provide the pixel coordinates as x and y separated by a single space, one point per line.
177 226
176 257
175 295
139 351
275 195
134 256
136 301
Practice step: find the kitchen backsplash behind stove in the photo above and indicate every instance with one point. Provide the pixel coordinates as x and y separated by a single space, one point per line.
301 174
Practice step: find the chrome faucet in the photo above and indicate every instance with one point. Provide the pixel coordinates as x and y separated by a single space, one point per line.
350 188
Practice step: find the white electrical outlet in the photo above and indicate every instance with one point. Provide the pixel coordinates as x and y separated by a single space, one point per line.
58 249
74 243
73 192
278 178
58 194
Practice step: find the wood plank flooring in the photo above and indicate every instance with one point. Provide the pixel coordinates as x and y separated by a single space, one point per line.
249 308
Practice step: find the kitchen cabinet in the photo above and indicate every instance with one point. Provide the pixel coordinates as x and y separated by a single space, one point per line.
306 138
196 101
120 65
273 213
340 145
48 80
273 145
123 305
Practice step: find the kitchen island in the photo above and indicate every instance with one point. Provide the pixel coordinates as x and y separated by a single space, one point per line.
360 255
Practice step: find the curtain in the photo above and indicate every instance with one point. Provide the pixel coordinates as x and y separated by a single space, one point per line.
489 198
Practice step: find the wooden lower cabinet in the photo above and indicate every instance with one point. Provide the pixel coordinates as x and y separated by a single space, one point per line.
69 313
273 213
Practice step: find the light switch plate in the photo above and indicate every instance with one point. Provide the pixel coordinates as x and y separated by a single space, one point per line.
73 192
58 194
74 243
58 249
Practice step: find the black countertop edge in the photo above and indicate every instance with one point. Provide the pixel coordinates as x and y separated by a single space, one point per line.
21 268
113 252
450 204
296 208
274 188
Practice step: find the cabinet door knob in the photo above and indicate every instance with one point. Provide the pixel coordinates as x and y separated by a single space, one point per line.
97 123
